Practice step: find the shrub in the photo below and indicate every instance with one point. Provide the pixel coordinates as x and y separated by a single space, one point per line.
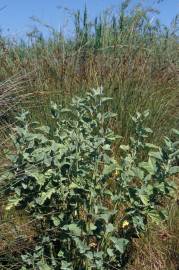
87 206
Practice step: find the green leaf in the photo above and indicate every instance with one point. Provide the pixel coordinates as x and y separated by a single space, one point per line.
44 266
144 198
54 110
6 176
175 131
39 177
146 113
65 110
92 227
109 228
66 265
109 115
104 99
174 170
12 202
148 130
120 244
156 155
90 255
175 154
98 91
138 173
149 166
73 186
107 147
73 228
138 222
109 169
45 195
23 116
110 252
56 221
160 186
125 147
155 216
44 129
60 254
106 216
150 145
81 245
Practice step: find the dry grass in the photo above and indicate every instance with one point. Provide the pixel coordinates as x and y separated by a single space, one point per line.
158 249
17 233
134 61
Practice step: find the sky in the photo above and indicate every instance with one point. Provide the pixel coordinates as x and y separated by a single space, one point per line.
15 14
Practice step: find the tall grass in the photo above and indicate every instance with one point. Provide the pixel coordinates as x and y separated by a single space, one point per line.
134 58
158 249
11 96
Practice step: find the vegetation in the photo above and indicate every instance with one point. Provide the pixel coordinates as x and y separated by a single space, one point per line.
110 191
135 61
86 206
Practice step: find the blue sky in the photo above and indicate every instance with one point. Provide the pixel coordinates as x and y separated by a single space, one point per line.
16 14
